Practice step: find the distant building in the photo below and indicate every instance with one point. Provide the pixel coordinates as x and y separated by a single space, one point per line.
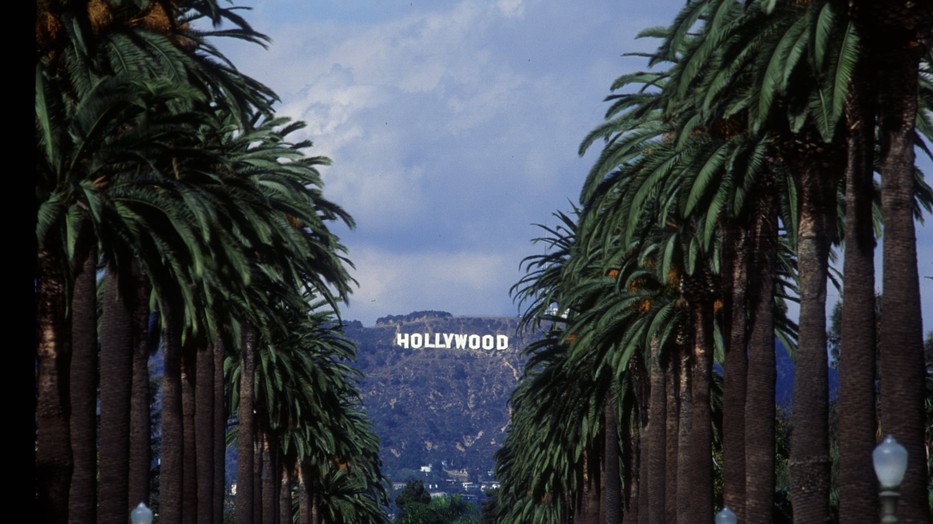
458 475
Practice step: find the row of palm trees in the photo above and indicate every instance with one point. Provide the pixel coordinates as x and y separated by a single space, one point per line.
728 172
176 213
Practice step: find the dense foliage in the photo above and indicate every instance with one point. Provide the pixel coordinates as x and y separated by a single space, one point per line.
729 172
177 213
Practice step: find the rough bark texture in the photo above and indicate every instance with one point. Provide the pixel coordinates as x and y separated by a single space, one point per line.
587 508
654 472
304 495
116 353
285 497
735 368
635 495
246 430
172 454
759 406
257 478
612 488
894 35
219 430
672 428
857 365
902 360
82 506
700 469
204 433
810 462
140 423
189 498
53 452
270 481
684 513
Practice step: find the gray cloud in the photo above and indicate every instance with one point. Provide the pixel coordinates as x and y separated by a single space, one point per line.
453 127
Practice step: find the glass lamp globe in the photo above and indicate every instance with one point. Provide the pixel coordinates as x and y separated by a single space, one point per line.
726 516
890 460
141 515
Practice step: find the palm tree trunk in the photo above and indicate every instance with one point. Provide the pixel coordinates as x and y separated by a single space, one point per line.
204 433
672 430
635 495
116 368
53 450
612 489
189 497
653 474
270 480
140 422
82 506
903 371
172 450
759 406
684 513
304 494
246 429
257 478
700 469
810 462
219 446
857 366
735 368
285 496
314 490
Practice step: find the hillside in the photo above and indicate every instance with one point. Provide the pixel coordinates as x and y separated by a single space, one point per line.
438 406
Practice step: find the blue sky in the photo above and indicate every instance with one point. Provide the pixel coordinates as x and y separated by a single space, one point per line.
453 127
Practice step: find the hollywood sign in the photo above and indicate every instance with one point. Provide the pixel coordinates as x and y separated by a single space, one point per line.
451 341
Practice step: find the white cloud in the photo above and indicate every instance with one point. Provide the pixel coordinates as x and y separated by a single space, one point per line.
452 126
462 283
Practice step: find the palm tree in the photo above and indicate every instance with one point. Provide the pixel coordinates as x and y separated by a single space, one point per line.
895 40
73 67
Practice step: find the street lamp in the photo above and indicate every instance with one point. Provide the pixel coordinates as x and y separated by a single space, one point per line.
890 460
141 515
726 516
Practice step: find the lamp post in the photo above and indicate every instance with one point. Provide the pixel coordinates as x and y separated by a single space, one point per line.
726 516
141 515
890 460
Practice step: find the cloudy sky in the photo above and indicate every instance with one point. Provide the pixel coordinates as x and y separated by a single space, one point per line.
453 127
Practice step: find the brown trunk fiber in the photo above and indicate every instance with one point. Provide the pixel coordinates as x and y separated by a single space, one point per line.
903 371
285 497
270 480
700 470
672 429
246 429
116 368
172 451
304 495
53 452
82 506
809 461
735 368
759 407
204 433
653 474
219 446
189 496
857 365
612 489
140 423
685 513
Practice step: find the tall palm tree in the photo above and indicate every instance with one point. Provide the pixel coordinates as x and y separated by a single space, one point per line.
147 42
895 39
